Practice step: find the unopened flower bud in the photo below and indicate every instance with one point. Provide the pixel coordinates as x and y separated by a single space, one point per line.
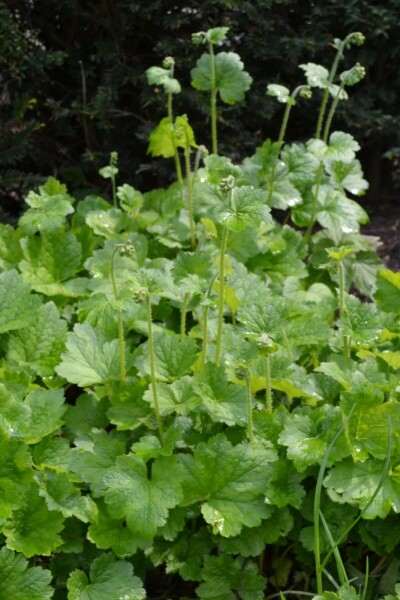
199 38
141 295
227 183
126 249
357 38
168 62
305 92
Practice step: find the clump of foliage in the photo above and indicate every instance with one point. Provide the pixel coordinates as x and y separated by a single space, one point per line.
195 400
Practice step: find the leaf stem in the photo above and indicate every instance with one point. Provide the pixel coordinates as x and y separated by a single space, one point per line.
183 315
203 353
332 110
213 104
224 241
311 224
121 341
189 188
153 368
176 153
342 306
268 390
331 77
249 409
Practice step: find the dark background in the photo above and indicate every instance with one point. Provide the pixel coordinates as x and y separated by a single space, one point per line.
73 85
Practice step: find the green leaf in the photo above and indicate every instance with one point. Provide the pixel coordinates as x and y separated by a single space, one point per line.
307 436
62 495
144 502
16 473
89 359
229 481
173 356
108 223
355 483
39 345
280 92
131 200
161 139
224 575
388 292
18 307
36 417
231 80
348 176
337 213
179 397
109 578
318 76
48 208
49 261
248 209
223 401
19 581
163 77
284 486
92 461
107 532
342 147
362 322
10 250
217 35
33 528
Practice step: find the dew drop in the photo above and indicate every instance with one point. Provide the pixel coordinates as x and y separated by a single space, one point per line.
267 500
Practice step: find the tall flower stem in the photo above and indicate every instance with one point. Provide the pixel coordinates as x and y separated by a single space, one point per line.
282 133
224 241
268 390
183 315
249 409
121 341
213 104
153 367
342 306
176 154
189 188
318 183
203 353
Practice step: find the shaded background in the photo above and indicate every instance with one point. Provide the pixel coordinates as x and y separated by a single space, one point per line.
73 85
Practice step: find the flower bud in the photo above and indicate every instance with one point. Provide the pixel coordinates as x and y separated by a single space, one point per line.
140 295
305 92
199 38
227 183
168 62
357 38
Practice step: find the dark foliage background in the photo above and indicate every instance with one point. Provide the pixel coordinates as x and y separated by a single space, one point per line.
73 85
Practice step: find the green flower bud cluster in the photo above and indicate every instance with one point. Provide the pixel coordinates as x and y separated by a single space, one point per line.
199 38
140 295
353 75
305 92
126 249
227 184
168 62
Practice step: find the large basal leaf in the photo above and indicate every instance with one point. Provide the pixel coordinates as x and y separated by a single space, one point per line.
35 417
50 261
144 502
18 581
388 292
16 472
341 147
33 528
337 213
173 356
231 80
225 576
89 359
48 209
39 345
18 307
109 579
229 482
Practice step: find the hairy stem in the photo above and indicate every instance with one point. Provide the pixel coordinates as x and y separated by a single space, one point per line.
213 105
224 242
203 353
189 187
311 224
121 341
332 110
249 409
153 368
268 389
342 306
183 315
332 74
176 153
